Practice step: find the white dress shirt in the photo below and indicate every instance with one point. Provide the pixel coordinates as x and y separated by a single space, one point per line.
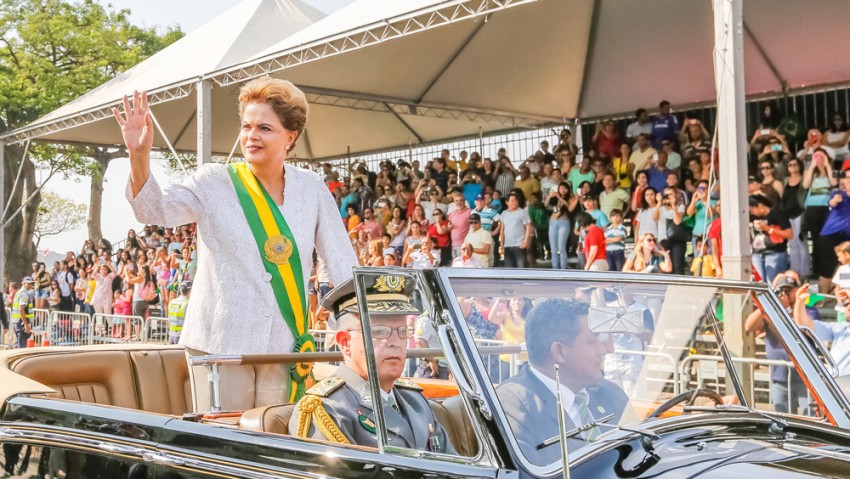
568 398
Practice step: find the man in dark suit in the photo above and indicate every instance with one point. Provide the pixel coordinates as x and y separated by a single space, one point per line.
556 333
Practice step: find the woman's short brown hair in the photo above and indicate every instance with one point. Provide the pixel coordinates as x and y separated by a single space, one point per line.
287 101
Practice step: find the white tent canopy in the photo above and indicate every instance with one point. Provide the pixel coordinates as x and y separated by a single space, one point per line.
382 75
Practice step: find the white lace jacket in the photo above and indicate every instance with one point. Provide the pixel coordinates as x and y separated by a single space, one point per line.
232 309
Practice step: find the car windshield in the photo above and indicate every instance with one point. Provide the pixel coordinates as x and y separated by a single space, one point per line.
622 349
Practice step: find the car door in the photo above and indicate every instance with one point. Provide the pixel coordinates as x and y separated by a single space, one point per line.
45 437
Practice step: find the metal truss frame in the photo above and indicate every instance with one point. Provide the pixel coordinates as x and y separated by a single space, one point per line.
78 119
373 34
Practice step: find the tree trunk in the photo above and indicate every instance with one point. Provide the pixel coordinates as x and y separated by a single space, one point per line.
20 251
101 162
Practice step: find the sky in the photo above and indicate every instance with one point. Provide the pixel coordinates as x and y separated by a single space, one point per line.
117 217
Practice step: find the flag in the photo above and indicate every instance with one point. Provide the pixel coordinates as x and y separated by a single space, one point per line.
814 298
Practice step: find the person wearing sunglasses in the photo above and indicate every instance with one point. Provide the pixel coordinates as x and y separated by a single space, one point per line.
649 257
341 408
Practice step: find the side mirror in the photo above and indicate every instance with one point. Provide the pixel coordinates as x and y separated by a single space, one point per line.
820 350
614 320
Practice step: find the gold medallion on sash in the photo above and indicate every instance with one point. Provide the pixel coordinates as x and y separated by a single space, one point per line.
278 249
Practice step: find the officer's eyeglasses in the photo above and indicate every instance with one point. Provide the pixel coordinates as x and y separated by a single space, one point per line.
384 332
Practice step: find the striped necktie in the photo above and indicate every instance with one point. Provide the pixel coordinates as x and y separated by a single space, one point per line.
581 401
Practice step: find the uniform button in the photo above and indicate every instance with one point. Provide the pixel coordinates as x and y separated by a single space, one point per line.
267 277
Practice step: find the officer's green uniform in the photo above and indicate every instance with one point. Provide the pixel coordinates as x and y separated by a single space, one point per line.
341 408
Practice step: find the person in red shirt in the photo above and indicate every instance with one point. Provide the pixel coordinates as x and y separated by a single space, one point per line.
715 240
439 232
594 243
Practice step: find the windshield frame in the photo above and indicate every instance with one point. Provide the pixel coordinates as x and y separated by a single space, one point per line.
838 407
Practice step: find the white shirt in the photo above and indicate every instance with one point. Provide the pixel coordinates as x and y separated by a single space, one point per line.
568 398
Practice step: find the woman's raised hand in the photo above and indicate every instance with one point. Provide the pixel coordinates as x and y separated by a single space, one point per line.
136 125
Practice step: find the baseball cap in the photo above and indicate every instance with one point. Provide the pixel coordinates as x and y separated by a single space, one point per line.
28 279
588 197
475 218
785 282
479 197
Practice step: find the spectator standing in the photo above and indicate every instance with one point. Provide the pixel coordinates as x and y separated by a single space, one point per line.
641 125
771 231
458 220
528 183
516 232
539 215
700 209
814 141
581 173
549 180
491 223
656 170
835 230
819 181
791 203
562 202
693 139
591 207
439 174
837 137
641 155
594 244
353 221
606 140
81 289
397 228
373 227
54 302
612 197
505 176
615 241
42 286
770 186
841 280
480 241
22 313
670 214
644 221
620 167
665 125
66 281
412 241
102 298
439 231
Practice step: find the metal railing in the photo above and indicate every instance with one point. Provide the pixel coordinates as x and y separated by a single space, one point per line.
708 370
40 326
69 329
114 328
156 330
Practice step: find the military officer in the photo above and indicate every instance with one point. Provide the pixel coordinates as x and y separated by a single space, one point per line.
556 333
341 407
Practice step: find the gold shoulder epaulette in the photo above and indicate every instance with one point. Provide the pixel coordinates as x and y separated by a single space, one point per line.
326 386
406 384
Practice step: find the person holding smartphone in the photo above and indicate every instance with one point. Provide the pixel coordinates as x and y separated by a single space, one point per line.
648 257
819 180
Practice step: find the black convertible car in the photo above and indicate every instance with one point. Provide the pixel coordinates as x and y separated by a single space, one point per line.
684 393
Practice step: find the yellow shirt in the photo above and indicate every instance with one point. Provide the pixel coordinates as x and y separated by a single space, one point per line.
90 285
708 267
638 158
621 170
452 165
528 186
513 334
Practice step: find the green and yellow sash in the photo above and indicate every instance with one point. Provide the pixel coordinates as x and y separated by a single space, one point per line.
281 259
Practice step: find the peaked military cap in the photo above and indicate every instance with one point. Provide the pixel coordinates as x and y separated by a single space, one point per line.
385 294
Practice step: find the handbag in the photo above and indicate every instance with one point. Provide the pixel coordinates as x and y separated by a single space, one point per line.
149 292
678 232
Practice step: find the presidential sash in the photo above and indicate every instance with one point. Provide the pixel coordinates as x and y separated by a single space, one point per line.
279 253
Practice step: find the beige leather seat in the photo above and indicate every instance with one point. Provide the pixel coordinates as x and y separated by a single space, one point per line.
273 419
450 413
155 380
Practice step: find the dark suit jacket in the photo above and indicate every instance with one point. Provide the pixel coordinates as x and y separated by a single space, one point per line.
532 412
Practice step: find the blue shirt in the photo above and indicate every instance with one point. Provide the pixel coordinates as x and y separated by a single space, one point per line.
616 232
470 191
657 178
838 220
664 128
599 216
774 349
839 335
488 217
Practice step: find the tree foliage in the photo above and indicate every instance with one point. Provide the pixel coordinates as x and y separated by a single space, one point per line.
57 215
51 52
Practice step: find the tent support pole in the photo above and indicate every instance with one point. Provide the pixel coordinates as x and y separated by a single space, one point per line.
452 60
3 208
763 54
203 91
732 148
588 55
406 125
307 145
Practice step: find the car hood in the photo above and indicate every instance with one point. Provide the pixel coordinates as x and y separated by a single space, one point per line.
728 448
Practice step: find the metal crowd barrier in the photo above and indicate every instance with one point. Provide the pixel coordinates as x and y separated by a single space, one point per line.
114 328
708 370
663 363
322 339
40 326
156 330
69 329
